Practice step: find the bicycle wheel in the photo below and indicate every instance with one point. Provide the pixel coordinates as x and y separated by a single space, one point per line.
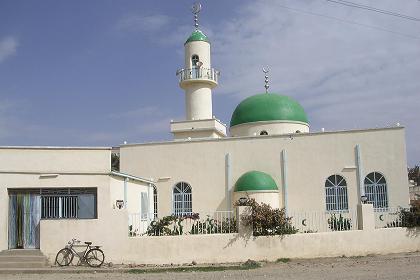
95 257
64 257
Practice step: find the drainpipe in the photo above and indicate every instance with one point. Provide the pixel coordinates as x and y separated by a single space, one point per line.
228 182
359 174
149 191
125 192
284 179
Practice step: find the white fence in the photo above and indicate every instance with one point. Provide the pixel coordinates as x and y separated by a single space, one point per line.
388 217
308 222
192 223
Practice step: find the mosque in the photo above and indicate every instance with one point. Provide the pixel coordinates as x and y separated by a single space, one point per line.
268 153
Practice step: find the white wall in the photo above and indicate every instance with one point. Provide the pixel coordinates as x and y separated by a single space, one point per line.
55 159
271 127
311 159
200 48
134 189
72 168
222 248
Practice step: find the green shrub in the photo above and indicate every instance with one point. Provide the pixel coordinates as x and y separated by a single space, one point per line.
266 220
168 225
211 226
411 217
339 224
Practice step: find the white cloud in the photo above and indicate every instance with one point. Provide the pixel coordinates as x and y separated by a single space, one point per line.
345 75
8 48
143 23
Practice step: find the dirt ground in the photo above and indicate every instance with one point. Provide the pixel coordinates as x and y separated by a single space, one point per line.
396 266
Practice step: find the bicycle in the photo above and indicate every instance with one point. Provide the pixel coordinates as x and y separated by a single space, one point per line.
92 255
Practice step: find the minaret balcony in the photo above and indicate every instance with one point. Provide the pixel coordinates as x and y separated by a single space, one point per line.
202 75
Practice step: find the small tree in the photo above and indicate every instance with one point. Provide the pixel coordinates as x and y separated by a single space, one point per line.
266 220
414 174
115 162
411 217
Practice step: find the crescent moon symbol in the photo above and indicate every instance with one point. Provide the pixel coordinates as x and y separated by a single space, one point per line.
304 222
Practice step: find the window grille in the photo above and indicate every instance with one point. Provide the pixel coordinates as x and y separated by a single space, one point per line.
155 202
336 193
182 199
376 190
59 207
68 203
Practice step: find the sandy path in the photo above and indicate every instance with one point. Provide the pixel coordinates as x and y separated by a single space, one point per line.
397 266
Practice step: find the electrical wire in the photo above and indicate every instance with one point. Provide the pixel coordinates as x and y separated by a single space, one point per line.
373 9
350 22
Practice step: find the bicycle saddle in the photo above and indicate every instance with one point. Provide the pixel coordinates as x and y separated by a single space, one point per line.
88 243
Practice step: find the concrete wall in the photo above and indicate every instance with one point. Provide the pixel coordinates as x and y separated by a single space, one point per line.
211 128
271 127
67 168
267 197
133 194
55 159
311 159
112 234
217 248
200 48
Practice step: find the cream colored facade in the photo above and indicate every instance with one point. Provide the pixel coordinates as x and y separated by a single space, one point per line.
29 169
270 127
202 157
212 166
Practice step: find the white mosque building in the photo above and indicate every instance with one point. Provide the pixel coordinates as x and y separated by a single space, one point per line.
268 152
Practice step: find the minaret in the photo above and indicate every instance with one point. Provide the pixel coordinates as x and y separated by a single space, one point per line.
197 79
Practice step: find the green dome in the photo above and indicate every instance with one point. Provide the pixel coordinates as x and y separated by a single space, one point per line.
197 35
268 107
255 181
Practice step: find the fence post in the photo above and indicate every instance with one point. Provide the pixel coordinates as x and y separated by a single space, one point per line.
243 228
365 217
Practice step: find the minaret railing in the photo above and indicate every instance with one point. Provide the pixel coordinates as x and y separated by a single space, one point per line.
198 74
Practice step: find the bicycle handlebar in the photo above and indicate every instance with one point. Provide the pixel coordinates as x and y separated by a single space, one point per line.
74 241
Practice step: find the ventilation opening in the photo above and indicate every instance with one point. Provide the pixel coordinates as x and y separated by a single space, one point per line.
264 132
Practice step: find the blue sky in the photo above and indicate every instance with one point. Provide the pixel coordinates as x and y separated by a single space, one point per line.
103 72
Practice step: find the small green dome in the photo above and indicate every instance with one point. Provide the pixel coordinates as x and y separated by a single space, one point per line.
255 181
268 107
197 35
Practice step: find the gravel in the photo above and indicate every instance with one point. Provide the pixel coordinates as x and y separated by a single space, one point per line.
396 266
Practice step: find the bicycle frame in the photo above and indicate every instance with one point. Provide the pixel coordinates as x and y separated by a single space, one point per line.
72 244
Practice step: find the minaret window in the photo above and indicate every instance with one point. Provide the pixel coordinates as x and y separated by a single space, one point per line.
194 60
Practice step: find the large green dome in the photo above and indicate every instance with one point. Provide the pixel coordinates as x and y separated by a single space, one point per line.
268 107
255 181
197 35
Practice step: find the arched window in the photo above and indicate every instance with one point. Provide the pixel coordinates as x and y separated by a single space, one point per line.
336 193
155 202
264 132
375 190
182 198
194 60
